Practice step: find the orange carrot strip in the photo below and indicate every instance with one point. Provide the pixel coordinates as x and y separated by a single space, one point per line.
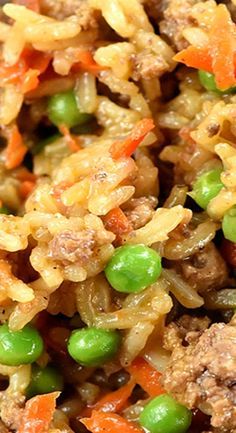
71 141
30 80
146 376
85 62
108 422
23 174
117 222
37 63
25 72
12 74
223 45
199 58
30 4
126 147
15 150
36 60
26 188
38 413
113 401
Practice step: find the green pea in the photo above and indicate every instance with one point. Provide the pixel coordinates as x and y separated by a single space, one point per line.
44 380
19 347
133 268
92 346
63 109
229 224
163 414
207 80
5 210
206 187
38 147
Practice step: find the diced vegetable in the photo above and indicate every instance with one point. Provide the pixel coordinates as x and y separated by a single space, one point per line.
85 62
38 413
207 80
92 346
146 376
199 58
117 222
26 71
63 110
15 150
229 224
133 268
126 147
44 380
101 422
218 56
113 401
26 188
19 347
163 414
222 43
206 187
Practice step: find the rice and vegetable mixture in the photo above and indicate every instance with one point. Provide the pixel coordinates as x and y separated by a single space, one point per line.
118 216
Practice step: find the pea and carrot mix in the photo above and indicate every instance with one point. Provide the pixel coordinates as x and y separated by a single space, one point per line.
118 216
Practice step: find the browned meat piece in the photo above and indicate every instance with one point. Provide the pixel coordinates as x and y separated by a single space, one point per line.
203 374
177 16
176 332
3 429
147 66
72 247
11 410
205 270
61 9
140 211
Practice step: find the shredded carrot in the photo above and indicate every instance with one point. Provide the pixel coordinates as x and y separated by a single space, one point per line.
30 4
15 150
117 222
85 62
26 188
38 413
194 57
146 376
26 71
23 174
36 59
113 401
72 142
109 422
126 147
30 80
12 74
219 55
223 45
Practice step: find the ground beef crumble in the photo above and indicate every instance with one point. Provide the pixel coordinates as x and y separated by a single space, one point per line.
205 270
203 373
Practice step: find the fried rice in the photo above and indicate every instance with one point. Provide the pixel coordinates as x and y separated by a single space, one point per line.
153 87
